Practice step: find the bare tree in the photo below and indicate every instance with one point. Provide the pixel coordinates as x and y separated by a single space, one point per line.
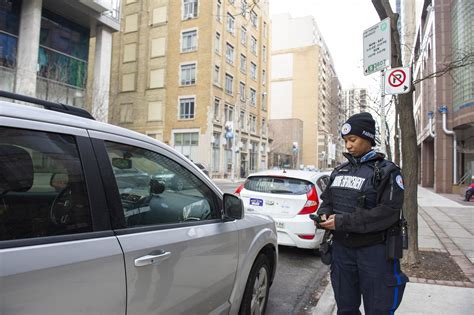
404 115
408 133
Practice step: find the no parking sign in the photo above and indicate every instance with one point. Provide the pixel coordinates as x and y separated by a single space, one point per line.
397 81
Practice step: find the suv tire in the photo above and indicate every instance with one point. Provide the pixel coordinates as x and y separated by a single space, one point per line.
257 287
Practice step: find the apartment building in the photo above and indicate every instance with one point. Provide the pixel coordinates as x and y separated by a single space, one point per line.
193 73
444 35
301 85
354 101
59 50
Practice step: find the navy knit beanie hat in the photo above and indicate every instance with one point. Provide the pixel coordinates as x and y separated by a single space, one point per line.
362 125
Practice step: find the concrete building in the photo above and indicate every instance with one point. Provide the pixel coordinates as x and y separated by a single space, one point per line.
193 73
45 50
354 101
301 82
286 151
444 35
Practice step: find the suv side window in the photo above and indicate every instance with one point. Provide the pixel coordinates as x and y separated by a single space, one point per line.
42 188
156 190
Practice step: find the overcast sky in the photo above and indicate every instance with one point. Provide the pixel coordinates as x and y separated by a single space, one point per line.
342 23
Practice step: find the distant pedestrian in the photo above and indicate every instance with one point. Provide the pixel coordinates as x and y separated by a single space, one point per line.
362 205
469 193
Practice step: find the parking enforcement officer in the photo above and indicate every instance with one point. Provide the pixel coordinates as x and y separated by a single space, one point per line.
362 204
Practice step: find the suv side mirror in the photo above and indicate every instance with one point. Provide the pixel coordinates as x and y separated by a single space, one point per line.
233 207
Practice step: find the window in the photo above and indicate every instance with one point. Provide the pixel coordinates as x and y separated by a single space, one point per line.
243 7
230 23
229 53
217 74
253 45
253 156
253 18
126 113
264 129
189 41
188 74
186 108
218 11
264 77
264 101
278 185
187 144
253 97
253 123
243 63
232 2
217 43
265 29
43 191
157 190
242 120
228 83
242 91
253 71
243 36
217 108
190 9
216 151
264 54
228 113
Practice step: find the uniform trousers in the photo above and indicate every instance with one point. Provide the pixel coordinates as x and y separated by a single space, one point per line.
366 271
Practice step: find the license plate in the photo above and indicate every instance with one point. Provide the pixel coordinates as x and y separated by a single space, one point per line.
256 202
279 225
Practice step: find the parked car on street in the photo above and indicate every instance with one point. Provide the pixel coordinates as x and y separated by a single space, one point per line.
87 226
289 197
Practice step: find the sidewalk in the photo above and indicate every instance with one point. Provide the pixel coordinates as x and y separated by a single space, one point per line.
444 224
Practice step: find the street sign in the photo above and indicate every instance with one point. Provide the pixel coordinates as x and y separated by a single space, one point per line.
377 47
397 81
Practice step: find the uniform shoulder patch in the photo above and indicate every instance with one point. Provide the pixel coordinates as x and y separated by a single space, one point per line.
399 180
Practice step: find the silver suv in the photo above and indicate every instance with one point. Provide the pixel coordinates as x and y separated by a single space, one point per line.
87 226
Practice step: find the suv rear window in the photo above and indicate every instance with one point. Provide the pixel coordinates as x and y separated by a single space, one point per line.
278 185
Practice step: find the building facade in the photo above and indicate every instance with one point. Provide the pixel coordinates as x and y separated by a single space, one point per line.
193 74
445 36
45 50
301 85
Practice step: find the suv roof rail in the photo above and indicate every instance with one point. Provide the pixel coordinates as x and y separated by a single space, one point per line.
58 107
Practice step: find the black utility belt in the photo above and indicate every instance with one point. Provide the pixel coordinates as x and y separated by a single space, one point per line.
354 240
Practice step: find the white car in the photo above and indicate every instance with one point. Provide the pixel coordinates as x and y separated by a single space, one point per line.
289 197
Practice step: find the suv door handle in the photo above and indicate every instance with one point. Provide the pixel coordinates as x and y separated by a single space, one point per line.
152 259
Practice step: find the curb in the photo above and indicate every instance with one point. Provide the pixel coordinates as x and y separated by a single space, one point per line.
326 303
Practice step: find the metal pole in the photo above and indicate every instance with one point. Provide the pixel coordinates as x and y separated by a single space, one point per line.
382 112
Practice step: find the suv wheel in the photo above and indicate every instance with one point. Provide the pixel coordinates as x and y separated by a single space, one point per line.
256 290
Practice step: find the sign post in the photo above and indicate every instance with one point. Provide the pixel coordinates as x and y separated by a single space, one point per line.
397 81
377 47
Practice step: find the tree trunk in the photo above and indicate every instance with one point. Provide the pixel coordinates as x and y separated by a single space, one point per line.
396 140
408 138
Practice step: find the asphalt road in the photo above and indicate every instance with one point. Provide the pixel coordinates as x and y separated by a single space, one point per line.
300 275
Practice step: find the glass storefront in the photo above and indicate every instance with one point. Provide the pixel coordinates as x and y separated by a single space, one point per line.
9 27
463 44
64 49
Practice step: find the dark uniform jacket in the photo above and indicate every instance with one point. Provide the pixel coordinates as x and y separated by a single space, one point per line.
366 195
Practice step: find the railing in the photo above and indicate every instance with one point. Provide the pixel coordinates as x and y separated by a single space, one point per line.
465 178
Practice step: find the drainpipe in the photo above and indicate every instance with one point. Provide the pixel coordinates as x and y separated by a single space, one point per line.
430 123
444 110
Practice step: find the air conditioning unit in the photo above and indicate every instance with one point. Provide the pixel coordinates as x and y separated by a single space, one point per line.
189 16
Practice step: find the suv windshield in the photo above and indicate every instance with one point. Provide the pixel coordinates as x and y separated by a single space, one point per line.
278 185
